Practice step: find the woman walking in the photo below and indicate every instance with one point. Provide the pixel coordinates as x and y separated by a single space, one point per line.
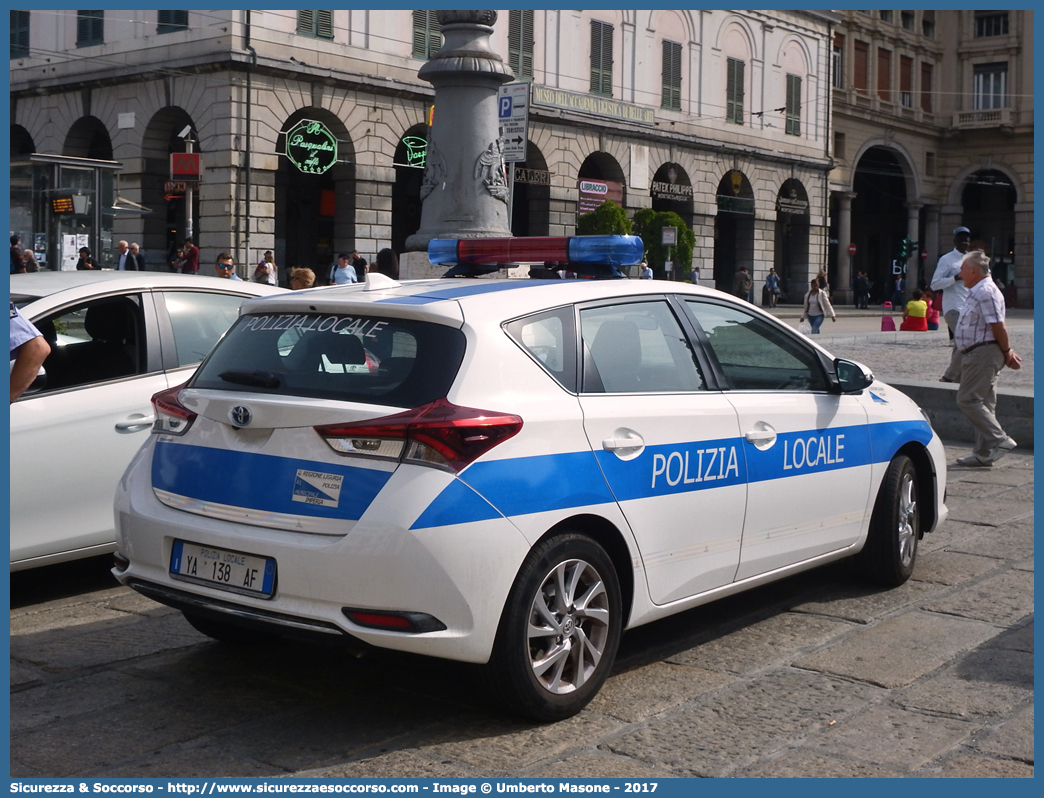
816 307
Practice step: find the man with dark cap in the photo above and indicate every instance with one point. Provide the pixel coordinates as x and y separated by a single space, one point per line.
947 278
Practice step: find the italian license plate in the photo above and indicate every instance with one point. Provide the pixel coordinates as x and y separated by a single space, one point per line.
228 570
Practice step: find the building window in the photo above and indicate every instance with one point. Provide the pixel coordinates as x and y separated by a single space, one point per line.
90 28
926 88
929 164
318 24
861 67
793 105
886 16
670 96
837 61
171 21
907 18
19 34
906 81
520 44
427 34
991 23
734 91
601 58
928 24
884 74
990 86
839 145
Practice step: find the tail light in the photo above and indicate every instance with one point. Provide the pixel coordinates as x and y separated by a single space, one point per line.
438 434
172 417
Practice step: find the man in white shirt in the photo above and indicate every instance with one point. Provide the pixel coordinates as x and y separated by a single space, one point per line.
122 256
947 278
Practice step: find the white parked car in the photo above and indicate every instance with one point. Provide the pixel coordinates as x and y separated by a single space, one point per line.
116 339
514 472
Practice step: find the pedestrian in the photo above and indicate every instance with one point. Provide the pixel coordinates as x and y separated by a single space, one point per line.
947 279
981 336
266 271
898 291
86 260
933 310
645 273
29 261
17 264
741 283
301 278
226 267
28 352
359 264
342 272
824 283
387 263
174 261
123 256
862 290
816 306
694 275
772 286
190 260
137 259
915 316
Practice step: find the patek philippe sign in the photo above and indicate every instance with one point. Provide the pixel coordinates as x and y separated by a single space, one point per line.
661 189
311 147
591 104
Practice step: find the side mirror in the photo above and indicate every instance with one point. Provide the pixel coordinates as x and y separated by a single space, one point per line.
852 377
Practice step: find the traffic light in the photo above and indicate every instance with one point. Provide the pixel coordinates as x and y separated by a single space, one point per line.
907 247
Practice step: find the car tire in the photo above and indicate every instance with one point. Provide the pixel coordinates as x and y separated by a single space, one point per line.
225 632
890 553
560 629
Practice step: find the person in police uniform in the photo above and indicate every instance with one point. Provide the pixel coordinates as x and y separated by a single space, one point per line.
981 337
28 352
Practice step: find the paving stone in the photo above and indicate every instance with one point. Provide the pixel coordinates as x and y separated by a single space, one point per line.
970 766
596 766
801 763
23 675
950 533
774 640
892 738
61 618
900 650
140 605
1012 540
1018 639
199 760
1004 599
732 728
407 764
951 568
646 691
996 510
501 745
1013 738
955 696
865 604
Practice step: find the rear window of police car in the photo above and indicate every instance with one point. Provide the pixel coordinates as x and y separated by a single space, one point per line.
370 359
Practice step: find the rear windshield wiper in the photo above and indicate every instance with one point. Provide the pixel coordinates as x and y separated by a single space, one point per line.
257 378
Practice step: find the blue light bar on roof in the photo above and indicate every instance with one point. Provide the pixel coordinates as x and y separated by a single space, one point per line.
613 250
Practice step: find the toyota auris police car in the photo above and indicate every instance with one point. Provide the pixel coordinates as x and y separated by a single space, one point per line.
513 472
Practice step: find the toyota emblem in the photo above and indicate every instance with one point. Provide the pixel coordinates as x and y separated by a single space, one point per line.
240 415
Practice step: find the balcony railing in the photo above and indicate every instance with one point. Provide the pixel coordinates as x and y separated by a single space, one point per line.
991 117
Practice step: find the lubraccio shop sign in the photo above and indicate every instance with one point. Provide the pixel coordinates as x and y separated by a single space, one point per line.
311 147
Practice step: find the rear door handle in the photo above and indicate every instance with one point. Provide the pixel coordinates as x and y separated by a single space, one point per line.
132 423
760 435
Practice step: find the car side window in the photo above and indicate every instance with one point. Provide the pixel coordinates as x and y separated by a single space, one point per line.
96 341
198 319
753 354
636 347
550 337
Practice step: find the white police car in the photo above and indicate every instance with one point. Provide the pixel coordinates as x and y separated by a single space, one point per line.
514 471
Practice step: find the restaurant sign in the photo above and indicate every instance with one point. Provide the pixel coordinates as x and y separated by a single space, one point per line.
311 147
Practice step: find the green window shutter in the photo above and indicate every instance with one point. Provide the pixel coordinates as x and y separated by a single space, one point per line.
305 22
427 34
90 28
324 24
793 105
520 43
19 34
171 21
734 91
601 58
671 70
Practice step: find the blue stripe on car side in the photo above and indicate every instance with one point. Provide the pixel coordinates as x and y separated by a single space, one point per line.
518 486
259 481
456 504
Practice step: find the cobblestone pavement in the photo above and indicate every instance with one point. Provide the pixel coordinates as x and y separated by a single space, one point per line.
814 676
